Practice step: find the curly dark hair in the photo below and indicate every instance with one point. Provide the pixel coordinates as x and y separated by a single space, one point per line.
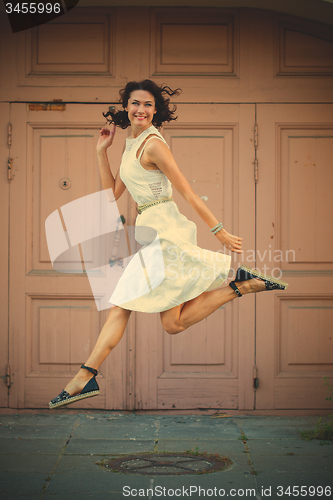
161 93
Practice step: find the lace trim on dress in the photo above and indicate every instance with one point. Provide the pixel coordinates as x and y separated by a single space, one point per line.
156 188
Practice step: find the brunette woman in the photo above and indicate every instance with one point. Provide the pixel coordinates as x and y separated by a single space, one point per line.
186 288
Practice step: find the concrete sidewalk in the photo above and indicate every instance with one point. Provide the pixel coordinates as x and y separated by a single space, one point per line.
59 456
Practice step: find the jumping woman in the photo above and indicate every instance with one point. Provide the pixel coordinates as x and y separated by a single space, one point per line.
190 289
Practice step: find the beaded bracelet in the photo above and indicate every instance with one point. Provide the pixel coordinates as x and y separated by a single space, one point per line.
217 228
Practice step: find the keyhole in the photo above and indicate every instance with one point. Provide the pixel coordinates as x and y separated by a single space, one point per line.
65 183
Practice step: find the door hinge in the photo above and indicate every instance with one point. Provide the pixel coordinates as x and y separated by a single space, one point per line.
255 163
8 381
6 378
9 135
10 160
255 377
10 174
255 142
255 136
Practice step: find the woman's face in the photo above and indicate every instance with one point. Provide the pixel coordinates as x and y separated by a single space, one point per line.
141 109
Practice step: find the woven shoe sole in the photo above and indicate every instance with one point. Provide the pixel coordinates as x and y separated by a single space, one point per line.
264 277
73 399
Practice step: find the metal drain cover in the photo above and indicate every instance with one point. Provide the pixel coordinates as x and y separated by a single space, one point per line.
173 464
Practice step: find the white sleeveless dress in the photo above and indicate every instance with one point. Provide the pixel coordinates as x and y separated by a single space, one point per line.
172 269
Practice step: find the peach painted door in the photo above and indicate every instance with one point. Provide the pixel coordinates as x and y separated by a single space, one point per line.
53 318
210 365
294 339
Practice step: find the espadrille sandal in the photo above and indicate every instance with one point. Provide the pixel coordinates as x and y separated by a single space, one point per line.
245 273
89 390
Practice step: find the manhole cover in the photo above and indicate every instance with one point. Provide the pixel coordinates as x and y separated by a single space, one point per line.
173 464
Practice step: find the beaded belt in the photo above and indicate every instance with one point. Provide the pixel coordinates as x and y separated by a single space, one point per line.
143 207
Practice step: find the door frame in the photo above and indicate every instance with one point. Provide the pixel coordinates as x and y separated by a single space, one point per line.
5 153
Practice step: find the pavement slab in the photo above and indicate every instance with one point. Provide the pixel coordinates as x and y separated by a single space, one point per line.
108 446
287 447
225 448
13 483
59 455
293 464
19 496
27 463
31 446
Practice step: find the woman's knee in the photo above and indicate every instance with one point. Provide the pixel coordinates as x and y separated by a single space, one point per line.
175 330
172 327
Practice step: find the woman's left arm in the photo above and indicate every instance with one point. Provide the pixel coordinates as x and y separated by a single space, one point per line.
157 153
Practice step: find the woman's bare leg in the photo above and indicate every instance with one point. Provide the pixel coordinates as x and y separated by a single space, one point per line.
109 337
179 318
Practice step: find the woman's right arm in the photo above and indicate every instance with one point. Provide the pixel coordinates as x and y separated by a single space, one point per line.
108 181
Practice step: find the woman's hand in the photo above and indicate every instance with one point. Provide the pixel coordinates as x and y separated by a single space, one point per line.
231 242
105 138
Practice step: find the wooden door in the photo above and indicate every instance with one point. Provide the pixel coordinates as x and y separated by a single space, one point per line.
210 365
53 317
294 341
54 321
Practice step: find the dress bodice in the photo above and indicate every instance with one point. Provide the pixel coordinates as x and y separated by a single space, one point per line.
144 185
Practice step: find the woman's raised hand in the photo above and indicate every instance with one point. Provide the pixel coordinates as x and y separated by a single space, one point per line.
231 242
105 138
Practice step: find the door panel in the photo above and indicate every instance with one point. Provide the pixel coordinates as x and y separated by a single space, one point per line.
295 210
210 365
307 176
57 154
54 322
